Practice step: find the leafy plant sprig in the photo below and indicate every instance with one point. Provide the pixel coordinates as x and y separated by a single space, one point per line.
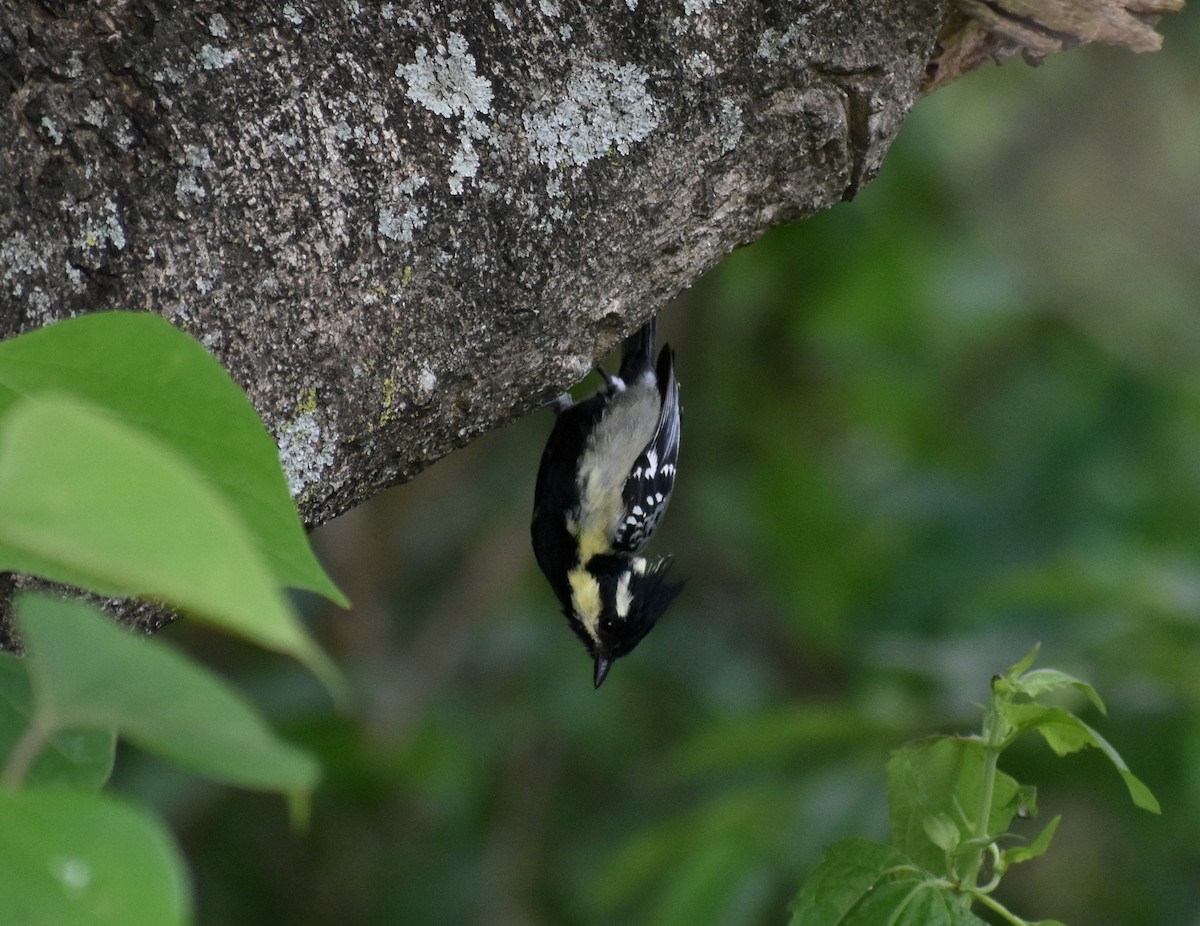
950 810
132 464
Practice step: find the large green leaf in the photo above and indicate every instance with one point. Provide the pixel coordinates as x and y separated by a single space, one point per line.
153 376
1065 733
862 883
73 859
78 758
936 783
87 672
86 499
1040 682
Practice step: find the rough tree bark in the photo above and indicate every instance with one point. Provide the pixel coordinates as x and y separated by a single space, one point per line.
401 224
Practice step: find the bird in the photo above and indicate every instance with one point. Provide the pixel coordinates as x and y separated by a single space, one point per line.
604 481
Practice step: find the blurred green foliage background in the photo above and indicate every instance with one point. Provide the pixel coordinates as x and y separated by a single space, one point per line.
922 432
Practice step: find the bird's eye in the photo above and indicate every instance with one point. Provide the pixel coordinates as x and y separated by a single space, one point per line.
607 624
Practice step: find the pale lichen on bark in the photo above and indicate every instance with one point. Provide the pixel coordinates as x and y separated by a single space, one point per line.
400 225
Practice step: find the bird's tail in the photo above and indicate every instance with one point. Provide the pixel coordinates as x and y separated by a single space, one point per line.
637 350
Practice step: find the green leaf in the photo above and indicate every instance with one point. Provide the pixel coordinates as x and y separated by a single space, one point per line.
928 904
1065 733
75 859
1016 671
862 883
1040 682
1062 730
940 780
88 672
77 758
163 382
1138 791
942 832
848 872
1018 854
87 500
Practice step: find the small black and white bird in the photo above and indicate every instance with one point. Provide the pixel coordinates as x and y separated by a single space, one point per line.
602 487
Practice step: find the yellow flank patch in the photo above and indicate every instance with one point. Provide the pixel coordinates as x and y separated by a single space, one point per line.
585 600
593 541
599 516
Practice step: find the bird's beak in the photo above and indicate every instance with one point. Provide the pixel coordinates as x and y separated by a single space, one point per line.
603 664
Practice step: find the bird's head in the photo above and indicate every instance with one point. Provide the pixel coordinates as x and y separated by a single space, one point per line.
615 601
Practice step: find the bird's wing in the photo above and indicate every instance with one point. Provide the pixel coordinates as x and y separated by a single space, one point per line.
648 487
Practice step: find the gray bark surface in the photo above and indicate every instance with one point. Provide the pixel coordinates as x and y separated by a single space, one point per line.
399 225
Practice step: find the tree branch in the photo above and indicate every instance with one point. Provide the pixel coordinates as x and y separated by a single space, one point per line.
402 224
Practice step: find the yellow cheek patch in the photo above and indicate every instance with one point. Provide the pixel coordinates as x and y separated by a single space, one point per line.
585 599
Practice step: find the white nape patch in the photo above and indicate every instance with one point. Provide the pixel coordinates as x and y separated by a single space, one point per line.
624 595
